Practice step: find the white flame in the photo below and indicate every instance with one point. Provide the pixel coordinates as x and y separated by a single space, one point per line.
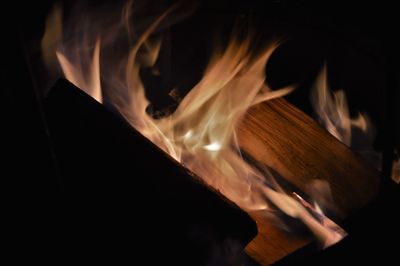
333 113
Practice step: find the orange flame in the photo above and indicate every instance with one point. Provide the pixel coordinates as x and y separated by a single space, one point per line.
201 133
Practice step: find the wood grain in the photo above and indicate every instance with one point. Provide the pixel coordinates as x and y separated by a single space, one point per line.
283 138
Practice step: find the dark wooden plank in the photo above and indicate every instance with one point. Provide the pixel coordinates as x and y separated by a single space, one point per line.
125 199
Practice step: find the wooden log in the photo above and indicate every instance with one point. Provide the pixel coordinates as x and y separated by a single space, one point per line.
274 133
283 138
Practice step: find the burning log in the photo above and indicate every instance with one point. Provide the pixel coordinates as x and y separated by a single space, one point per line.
121 191
280 136
95 152
203 135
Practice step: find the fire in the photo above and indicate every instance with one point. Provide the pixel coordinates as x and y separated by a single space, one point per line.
333 113
333 110
201 132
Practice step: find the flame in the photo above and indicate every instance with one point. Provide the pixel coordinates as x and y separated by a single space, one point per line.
201 132
333 114
333 111
75 75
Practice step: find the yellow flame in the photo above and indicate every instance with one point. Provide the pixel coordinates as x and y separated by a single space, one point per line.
201 133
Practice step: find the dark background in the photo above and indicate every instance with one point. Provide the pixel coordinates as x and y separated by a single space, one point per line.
358 41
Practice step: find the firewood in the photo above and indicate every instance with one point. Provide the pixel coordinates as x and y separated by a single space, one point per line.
283 138
104 163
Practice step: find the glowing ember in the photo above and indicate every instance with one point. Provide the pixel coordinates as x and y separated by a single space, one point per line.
201 132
